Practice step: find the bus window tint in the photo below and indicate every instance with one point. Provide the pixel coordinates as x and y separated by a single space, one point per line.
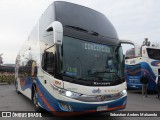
48 60
153 53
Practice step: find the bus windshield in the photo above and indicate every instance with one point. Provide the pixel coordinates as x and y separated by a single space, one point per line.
89 61
153 53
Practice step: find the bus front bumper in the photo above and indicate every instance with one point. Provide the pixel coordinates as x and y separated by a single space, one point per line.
67 106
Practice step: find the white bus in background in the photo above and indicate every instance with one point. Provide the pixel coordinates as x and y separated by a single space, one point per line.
72 62
148 61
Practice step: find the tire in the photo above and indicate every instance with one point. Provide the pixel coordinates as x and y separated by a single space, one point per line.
35 102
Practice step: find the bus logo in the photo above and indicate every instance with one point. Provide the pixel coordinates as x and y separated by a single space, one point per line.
96 91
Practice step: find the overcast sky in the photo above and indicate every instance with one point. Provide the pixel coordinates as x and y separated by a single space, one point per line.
133 19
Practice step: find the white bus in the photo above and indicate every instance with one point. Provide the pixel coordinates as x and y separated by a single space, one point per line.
72 62
148 61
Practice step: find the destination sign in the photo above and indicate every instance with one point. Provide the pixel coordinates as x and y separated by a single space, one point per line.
96 47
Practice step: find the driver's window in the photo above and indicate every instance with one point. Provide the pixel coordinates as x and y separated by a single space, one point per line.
48 60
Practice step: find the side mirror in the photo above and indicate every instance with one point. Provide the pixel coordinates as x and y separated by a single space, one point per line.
57 29
136 46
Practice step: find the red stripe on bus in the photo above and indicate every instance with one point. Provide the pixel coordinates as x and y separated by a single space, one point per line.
23 82
44 100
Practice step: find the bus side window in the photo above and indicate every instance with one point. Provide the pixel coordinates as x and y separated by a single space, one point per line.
48 62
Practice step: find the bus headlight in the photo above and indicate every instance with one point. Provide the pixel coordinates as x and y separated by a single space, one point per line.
64 92
124 92
68 93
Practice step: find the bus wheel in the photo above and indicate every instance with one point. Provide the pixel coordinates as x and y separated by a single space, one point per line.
16 86
35 101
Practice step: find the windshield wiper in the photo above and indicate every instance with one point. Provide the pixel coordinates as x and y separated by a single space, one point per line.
83 30
97 72
117 75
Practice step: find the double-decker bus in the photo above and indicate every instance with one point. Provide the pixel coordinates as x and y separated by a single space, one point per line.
148 61
72 62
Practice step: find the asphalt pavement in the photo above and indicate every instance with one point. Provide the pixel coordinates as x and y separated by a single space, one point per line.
11 101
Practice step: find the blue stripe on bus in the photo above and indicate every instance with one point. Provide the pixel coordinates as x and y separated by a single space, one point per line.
144 68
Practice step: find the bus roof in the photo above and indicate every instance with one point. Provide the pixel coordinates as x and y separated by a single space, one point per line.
76 15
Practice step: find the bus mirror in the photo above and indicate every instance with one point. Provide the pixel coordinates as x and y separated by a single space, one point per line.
136 46
57 29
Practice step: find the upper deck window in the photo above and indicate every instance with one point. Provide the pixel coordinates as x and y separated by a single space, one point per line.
79 16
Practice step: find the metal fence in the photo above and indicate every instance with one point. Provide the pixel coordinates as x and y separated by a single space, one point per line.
7 77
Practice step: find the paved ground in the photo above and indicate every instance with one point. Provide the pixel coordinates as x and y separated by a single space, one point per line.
11 101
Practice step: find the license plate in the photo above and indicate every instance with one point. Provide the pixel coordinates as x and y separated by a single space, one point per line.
102 108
